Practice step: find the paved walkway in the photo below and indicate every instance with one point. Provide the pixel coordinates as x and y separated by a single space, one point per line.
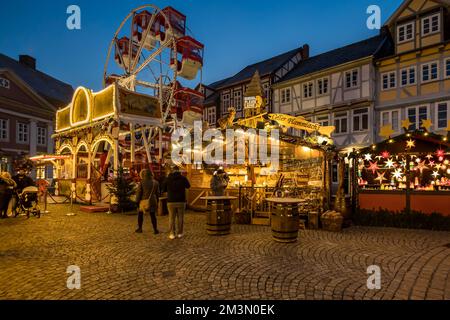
116 263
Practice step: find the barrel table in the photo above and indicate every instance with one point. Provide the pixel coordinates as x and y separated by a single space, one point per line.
219 215
285 219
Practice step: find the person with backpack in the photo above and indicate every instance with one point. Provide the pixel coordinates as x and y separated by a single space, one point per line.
147 199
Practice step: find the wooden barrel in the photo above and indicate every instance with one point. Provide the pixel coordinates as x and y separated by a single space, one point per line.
285 223
218 217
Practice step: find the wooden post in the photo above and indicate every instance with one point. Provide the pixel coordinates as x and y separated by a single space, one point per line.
408 185
133 145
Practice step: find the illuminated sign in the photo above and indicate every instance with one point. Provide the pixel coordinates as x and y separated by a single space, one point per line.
300 123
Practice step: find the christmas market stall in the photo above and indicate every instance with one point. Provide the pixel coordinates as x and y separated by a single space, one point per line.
303 154
406 174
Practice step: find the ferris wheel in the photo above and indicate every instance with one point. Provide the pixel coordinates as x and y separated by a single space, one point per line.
151 53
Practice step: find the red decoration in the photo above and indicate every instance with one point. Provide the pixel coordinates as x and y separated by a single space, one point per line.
440 153
385 154
373 166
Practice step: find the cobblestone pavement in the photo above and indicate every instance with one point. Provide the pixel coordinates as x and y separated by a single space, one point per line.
116 263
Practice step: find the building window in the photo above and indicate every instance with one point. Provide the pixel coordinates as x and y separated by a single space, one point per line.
405 32
225 103
266 89
308 90
447 68
322 86
41 136
416 115
443 115
238 100
431 24
323 120
352 78
286 95
340 122
430 71
4 83
4 130
389 80
392 118
408 76
361 120
23 132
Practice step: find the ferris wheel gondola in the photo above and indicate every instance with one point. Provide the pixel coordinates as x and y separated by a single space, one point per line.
151 50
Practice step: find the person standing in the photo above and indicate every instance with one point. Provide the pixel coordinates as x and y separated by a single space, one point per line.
219 182
7 186
147 198
175 185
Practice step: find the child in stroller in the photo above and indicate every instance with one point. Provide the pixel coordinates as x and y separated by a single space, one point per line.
28 202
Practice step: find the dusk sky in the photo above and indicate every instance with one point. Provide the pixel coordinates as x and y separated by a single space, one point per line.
235 33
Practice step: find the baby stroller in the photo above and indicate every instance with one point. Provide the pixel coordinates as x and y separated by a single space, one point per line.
28 202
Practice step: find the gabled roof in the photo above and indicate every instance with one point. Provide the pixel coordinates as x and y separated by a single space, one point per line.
55 91
405 5
355 51
265 67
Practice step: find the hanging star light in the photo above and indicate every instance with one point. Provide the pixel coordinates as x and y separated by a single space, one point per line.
435 174
421 166
381 177
373 166
440 153
385 154
368 157
389 164
406 124
438 166
427 124
397 174
410 144
386 131
429 157
431 163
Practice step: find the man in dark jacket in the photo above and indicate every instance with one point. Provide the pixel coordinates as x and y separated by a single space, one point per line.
175 185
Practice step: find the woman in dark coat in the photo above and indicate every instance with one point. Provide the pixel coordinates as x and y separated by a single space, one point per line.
147 198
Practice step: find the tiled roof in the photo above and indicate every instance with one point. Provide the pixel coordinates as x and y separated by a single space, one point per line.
55 91
374 46
264 67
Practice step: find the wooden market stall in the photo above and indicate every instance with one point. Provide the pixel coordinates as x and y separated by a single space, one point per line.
408 173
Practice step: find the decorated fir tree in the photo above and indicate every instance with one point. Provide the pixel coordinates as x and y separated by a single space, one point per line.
121 189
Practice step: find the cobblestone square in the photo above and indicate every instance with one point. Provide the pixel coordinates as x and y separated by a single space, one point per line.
116 263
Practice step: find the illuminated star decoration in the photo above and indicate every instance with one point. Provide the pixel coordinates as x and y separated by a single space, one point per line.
397 174
389 164
386 131
406 124
378 157
373 166
440 153
435 174
427 124
368 157
429 157
438 166
410 144
385 154
431 163
421 166
381 177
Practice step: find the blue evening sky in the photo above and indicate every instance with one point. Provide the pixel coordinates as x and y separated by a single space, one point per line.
235 33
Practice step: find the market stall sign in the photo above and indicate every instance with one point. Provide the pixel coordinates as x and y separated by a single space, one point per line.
301 123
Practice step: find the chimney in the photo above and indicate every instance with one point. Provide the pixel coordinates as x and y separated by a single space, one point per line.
28 61
305 52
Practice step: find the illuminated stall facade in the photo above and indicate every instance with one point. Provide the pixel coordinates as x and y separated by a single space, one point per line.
101 132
